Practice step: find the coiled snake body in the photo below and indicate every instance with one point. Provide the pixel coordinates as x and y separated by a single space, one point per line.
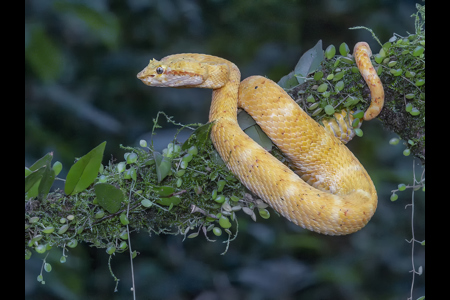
330 191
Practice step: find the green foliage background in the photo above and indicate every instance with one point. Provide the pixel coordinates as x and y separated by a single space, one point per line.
81 61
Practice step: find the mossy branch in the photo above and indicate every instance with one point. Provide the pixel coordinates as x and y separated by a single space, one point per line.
188 188
400 65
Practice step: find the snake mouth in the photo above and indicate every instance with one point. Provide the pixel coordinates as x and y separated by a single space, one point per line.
174 80
146 79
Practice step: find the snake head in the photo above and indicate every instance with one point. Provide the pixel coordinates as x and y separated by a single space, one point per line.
173 72
186 70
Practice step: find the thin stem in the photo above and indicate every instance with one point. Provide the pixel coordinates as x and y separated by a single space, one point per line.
133 287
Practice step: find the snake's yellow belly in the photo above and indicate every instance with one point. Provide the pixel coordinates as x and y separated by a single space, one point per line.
330 192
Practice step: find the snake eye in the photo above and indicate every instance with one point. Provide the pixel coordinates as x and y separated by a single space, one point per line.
159 70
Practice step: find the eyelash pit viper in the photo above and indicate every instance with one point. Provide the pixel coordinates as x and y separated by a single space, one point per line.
330 192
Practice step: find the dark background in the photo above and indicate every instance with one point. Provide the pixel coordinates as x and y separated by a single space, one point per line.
81 61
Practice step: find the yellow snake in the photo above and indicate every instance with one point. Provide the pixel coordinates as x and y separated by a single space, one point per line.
332 193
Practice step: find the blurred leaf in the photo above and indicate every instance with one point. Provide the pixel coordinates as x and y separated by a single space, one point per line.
288 81
309 62
109 197
41 53
163 165
48 177
40 177
255 133
103 25
43 161
245 120
84 171
198 138
164 191
32 182
175 200
249 126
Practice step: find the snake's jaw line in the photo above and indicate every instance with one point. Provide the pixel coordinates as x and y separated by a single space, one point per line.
332 193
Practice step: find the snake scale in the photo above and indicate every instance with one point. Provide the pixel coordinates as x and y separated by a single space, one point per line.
330 192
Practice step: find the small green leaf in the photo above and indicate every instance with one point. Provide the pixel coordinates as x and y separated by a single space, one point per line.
392 63
420 82
99 214
72 243
131 158
414 112
164 191
109 197
410 74
187 157
48 229
409 107
193 150
338 76
330 52
264 213
347 60
418 51
313 106
145 203
359 114
63 229
343 49
318 75
84 171
339 86
124 219
317 111
175 200
143 143
192 235
220 199
221 185
322 88
47 267
224 222
121 167
396 72
217 231
57 167
394 197
378 58
329 110
311 99
394 141
111 249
